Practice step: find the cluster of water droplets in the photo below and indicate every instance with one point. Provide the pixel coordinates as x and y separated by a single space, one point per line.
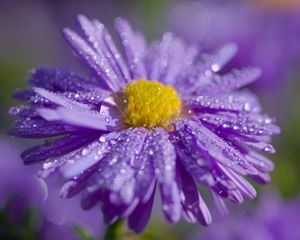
240 122
228 102
231 81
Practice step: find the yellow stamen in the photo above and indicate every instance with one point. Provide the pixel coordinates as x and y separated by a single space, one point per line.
151 104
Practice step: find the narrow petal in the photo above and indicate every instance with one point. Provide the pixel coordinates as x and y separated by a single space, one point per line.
74 117
262 178
220 204
246 188
216 61
163 157
192 203
260 162
58 147
238 123
139 218
97 63
231 81
60 80
165 59
201 73
214 147
60 99
134 48
115 170
30 125
233 102
94 33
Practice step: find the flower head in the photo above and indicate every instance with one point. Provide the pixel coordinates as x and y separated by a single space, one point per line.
159 116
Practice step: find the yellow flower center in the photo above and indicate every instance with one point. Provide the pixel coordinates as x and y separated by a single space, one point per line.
151 104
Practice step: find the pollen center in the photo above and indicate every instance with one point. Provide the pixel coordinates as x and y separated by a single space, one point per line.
151 104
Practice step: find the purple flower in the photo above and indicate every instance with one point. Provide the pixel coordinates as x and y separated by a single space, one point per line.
273 219
159 116
23 193
15 181
267 37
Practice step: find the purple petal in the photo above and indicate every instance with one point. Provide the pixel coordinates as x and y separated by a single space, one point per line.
59 80
235 102
260 162
74 117
200 74
139 218
246 188
163 157
192 203
115 171
134 47
122 66
74 186
94 33
239 123
111 212
214 147
220 204
30 125
58 147
60 99
216 61
165 59
260 177
231 81
98 63
85 158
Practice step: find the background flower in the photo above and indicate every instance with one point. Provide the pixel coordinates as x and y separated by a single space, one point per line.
26 210
273 219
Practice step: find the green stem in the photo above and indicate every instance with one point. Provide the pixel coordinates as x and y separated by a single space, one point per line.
114 231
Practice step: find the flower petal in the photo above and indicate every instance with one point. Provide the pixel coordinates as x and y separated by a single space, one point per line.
115 170
94 33
233 102
229 82
139 218
192 203
60 99
96 62
58 147
163 157
75 117
134 47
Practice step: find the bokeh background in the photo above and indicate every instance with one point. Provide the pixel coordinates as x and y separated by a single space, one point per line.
268 36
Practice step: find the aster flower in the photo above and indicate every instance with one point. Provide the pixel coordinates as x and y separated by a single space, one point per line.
261 33
14 189
158 117
25 215
273 219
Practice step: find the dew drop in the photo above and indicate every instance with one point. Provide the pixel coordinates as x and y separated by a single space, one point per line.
165 207
215 67
247 107
102 139
85 151
268 149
